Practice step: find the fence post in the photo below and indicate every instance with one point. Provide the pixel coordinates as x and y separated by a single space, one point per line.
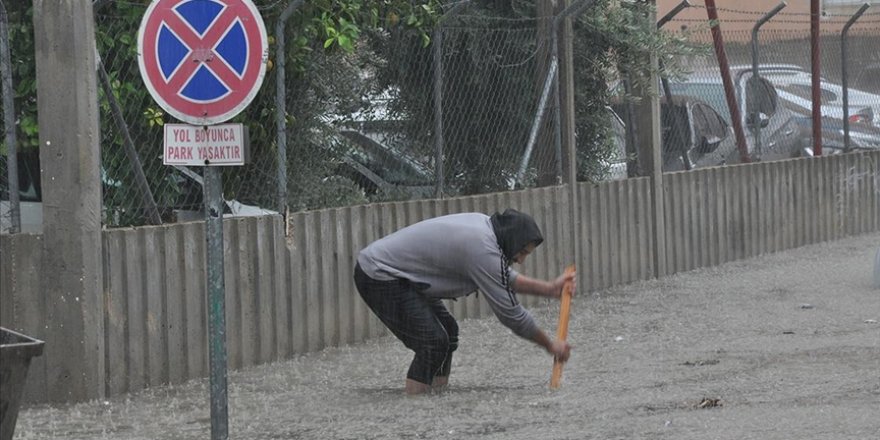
72 278
9 124
438 96
844 78
552 80
657 205
754 116
667 92
438 109
816 75
730 95
281 107
650 158
567 75
573 10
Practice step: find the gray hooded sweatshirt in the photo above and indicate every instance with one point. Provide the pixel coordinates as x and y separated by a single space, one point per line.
454 255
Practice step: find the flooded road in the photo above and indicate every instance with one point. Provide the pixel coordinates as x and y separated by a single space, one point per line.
784 346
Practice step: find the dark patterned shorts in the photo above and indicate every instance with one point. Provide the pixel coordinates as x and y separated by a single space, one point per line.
422 323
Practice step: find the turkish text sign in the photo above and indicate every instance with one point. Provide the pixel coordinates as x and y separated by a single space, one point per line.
223 144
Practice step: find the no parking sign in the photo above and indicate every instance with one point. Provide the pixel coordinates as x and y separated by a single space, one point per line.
203 61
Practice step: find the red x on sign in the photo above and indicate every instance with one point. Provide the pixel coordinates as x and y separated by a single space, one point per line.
203 61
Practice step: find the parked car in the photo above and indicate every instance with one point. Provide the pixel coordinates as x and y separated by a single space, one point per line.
775 142
775 124
862 137
794 86
691 131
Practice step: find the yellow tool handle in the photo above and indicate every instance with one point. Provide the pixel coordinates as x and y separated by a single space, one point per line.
562 330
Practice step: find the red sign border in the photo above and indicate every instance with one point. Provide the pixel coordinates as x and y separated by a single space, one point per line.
202 113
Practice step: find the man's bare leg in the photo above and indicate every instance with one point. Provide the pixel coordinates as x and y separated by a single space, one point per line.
413 387
439 383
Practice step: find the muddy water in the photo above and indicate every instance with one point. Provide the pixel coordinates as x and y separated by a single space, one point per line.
779 347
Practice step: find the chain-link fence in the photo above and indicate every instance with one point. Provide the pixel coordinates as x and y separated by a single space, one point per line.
474 99
405 115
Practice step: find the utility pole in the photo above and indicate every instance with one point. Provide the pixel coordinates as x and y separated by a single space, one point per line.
649 140
546 157
729 93
816 72
70 158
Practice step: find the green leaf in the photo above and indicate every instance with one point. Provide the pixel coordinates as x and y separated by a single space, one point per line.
345 43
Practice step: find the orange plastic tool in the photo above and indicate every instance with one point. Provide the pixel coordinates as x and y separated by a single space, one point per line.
562 330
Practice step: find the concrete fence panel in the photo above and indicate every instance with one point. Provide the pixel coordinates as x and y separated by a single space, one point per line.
616 231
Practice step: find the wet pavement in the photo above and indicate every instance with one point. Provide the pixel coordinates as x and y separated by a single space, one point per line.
784 346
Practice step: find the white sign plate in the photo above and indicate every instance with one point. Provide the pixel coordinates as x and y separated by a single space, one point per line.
223 145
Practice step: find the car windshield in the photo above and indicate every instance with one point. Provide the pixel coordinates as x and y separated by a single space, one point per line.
712 94
806 92
799 83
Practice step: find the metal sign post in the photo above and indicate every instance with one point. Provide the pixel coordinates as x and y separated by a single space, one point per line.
203 62
216 302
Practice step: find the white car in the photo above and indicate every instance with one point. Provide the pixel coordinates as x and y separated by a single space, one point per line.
795 88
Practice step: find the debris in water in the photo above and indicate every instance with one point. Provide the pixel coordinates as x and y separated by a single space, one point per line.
787 332
701 363
807 306
870 321
709 402
618 338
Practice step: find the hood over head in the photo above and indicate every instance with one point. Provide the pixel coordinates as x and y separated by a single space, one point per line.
514 231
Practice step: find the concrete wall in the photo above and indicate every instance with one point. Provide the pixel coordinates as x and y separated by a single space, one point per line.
293 294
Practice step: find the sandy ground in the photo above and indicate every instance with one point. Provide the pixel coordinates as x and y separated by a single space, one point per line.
784 346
